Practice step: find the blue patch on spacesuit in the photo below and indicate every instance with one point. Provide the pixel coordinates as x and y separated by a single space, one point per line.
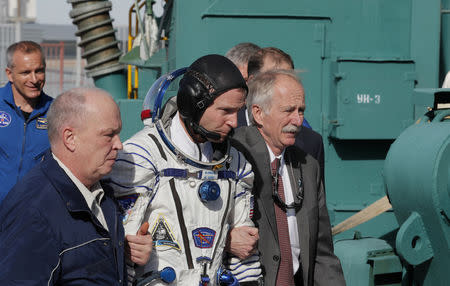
127 203
203 237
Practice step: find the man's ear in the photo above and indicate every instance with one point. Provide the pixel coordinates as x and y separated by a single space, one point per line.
258 114
69 138
8 72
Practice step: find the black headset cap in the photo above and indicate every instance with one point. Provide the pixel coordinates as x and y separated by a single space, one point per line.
207 78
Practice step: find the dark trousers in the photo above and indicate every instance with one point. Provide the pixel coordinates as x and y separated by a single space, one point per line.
298 279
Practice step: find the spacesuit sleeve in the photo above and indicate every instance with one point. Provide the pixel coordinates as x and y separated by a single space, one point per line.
243 199
248 269
134 179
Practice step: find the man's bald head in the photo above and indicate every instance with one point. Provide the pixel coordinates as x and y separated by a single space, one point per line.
70 108
83 128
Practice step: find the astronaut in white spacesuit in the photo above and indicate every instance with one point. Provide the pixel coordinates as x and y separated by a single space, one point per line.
181 175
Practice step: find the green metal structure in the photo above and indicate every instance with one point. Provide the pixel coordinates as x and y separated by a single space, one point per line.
366 67
369 261
361 61
420 194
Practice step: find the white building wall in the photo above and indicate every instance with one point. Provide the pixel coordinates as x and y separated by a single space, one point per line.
7 37
28 10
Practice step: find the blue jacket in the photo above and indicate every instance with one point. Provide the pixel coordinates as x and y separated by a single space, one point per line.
49 236
22 144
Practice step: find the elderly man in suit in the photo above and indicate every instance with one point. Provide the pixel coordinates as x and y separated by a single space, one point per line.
271 58
295 235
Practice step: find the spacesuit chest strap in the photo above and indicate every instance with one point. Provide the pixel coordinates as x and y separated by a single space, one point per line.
201 174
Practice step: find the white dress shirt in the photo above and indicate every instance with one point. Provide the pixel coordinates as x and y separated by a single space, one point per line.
93 197
290 213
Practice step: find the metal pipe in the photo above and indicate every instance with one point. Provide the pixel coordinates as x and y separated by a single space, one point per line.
98 39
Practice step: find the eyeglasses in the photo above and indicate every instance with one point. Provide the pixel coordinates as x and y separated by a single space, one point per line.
298 198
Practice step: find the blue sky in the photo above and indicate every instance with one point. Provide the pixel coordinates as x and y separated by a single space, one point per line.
57 11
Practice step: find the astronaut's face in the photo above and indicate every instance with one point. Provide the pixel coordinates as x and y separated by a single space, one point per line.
27 76
221 115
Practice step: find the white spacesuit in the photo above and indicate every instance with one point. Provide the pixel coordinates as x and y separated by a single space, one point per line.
190 204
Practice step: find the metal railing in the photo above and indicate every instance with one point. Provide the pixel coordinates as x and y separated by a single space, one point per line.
62 73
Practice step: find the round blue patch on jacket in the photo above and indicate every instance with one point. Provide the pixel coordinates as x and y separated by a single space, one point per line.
5 119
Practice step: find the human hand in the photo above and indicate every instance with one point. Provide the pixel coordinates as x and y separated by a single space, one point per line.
241 241
139 246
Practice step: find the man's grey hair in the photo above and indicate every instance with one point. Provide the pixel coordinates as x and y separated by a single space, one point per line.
69 108
261 89
241 53
26 47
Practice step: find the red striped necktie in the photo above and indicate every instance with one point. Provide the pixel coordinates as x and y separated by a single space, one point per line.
285 276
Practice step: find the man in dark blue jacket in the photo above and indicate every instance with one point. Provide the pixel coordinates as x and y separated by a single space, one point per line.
23 108
58 226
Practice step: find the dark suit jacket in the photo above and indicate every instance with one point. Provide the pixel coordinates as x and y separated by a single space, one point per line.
318 263
307 139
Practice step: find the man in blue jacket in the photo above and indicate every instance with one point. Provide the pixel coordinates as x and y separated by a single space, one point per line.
59 225
23 109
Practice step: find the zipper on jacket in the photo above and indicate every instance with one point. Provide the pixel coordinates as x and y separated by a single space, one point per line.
25 123
115 240
23 149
